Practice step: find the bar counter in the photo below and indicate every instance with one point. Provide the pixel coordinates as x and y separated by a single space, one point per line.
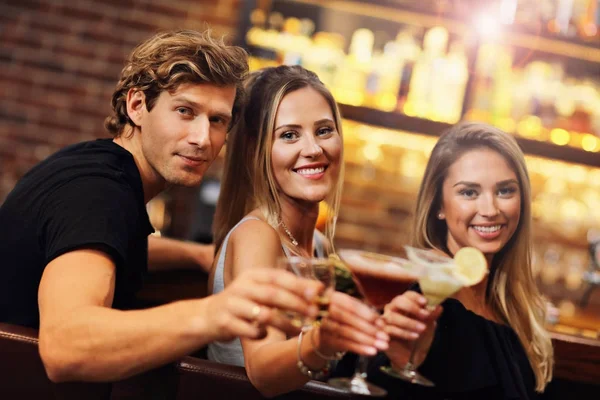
577 358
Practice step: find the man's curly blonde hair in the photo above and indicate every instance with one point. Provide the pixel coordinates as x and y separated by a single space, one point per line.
170 59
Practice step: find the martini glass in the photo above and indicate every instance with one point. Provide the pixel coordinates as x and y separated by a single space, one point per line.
438 281
379 279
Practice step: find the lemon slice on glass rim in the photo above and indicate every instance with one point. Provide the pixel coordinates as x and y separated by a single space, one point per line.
470 266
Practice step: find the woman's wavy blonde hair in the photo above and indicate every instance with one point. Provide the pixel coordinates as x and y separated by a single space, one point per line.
169 59
511 293
248 180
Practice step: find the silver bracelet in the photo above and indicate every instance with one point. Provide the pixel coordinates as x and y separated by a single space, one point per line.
304 369
338 355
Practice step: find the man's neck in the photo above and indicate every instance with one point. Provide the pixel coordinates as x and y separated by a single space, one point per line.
152 182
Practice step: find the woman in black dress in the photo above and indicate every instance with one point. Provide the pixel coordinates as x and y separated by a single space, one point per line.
489 342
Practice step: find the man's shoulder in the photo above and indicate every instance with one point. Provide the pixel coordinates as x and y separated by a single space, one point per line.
98 158
83 169
100 153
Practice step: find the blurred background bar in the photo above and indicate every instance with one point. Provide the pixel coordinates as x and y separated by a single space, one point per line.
402 71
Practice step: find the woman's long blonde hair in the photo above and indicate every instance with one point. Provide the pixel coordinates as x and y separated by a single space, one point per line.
248 180
511 293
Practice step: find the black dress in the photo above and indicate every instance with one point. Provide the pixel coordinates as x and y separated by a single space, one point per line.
470 358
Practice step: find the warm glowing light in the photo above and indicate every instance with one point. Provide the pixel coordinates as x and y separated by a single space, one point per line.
487 26
590 143
556 186
559 136
508 9
506 124
387 102
409 109
372 152
577 173
530 127
594 177
571 209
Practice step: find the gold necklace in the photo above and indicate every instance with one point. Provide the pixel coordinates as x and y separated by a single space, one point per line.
287 231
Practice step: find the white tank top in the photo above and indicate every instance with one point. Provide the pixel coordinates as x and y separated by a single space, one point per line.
231 352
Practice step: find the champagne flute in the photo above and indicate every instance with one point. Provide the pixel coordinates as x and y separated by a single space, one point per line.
441 277
379 279
320 269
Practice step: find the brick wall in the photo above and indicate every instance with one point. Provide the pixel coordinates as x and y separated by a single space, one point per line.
60 60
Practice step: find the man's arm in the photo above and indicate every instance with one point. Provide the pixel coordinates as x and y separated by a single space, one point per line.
166 254
82 338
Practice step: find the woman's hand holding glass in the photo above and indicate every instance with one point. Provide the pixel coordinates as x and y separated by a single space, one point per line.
350 326
409 322
345 323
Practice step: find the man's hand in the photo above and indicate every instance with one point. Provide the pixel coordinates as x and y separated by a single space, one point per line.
255 300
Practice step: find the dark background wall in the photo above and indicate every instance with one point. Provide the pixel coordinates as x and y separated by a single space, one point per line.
60 60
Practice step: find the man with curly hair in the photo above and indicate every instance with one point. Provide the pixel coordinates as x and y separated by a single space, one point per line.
74 231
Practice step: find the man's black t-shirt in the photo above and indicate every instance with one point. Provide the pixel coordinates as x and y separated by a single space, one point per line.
88 195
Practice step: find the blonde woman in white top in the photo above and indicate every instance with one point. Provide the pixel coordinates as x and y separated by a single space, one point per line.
284 158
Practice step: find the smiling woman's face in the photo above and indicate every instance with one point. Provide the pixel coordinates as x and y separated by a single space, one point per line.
307 147
481 202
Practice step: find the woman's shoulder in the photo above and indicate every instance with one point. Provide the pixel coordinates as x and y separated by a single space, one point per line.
254 230
458 310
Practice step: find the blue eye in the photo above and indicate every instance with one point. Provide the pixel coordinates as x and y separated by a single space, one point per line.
507 191
324 131
468 193
289 135
184 111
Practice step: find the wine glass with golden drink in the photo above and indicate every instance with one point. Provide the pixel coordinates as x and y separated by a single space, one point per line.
320 269
379 279
441 277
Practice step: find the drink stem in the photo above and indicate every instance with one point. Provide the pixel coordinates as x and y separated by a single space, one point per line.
410 365
358 380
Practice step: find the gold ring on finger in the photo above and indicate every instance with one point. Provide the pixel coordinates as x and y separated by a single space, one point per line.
255 313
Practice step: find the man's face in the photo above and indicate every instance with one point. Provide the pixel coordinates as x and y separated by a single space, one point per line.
185 131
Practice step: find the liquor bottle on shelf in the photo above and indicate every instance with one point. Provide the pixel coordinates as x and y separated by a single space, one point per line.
428 72
272 37
483 83
584 15
447 102
255 39
258 21
551 271
562 23
351 79
504 82
592 275
590 25
405 51
325 56
383 83
264 43
548 113
295 40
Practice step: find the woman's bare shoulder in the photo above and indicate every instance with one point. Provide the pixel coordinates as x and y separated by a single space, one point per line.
255 234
